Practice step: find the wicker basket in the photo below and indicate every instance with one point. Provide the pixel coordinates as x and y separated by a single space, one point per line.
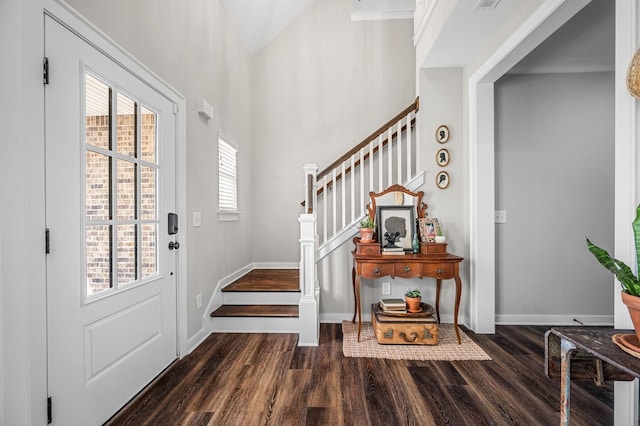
633 76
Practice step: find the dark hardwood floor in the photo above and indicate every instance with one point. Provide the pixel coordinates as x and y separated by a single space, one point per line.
265 379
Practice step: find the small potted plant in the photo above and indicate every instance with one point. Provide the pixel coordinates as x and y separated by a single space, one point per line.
366 230
413 299
630 283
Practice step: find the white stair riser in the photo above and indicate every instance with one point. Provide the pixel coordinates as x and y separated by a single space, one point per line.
260 298
254 325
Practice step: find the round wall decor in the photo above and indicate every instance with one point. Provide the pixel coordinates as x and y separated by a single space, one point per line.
442 180
442 134
442 157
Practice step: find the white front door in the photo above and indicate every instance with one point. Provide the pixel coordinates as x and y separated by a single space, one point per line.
111 277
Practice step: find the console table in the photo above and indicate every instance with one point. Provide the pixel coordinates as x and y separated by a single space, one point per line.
438 266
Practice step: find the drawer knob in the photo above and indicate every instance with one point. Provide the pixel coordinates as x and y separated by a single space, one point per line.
440 270
376 271
407 268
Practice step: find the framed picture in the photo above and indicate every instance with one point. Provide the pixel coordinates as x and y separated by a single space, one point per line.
442 157
427 227
442 134
442 180
396 226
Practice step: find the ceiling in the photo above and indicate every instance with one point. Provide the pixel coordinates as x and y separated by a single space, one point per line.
585 43
259 21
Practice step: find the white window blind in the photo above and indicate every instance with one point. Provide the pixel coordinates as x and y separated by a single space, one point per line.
227 182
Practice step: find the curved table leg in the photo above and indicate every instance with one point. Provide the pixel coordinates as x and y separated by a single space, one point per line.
438 286
457 305
355 302
356 286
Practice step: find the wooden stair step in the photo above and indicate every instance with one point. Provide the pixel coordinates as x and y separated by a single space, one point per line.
279 311
267 280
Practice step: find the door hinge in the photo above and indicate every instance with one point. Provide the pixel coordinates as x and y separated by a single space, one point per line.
45 70
46 241
49 417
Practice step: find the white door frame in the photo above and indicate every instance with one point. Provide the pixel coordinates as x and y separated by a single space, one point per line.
34 395
548 17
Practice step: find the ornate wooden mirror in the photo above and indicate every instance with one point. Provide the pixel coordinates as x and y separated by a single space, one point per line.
399 202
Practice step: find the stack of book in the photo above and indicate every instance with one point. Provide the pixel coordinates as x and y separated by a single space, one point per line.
392 250
394 306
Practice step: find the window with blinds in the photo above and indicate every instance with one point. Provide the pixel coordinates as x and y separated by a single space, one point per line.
227 182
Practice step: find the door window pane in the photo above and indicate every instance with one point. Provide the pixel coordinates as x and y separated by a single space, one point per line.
148 196
127 254
126 190
98 186
149 253
126 130
98 252
97 112
148 135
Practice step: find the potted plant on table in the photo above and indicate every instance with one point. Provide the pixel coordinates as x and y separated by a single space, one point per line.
413 299
366 230
630 283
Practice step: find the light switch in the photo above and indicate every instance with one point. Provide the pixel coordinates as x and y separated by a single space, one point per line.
197 219
501 216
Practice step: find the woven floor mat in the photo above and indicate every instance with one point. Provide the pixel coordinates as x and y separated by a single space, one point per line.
447 348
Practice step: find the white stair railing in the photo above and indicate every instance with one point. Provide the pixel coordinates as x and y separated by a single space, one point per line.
386 157
336 199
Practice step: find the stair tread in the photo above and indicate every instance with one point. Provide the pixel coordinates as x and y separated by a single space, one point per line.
267 280
283 311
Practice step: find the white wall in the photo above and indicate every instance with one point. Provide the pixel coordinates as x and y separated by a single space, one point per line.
319 88
194 47
554 177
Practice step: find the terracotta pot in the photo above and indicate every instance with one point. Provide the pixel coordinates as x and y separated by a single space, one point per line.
366 235
633 305
413 303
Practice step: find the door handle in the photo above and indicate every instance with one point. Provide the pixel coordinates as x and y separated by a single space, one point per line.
174 245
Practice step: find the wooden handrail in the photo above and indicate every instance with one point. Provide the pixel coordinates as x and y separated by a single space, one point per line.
415 106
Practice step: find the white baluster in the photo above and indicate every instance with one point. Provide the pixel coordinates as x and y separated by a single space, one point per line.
380 164
390 154
370 166
353 188
409 147
343 206
362 178
334 185
399 150
325 215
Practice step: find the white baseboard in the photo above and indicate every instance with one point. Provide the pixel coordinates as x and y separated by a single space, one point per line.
559 320
197 339
275 265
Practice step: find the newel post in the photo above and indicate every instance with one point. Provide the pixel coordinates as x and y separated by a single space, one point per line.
310 292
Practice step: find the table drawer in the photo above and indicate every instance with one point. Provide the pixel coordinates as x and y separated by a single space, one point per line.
408 269
439 270
376 271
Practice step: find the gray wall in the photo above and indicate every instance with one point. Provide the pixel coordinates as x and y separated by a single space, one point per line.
319 88
554 177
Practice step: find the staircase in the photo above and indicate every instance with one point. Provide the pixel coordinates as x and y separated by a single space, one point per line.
288 300
264 300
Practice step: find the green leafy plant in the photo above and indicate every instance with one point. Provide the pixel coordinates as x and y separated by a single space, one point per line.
413 293
367 222
438 230
623 273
